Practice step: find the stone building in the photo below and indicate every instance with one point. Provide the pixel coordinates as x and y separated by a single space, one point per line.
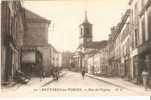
12 31
141 37
56 57
104 64
35 49
97 61
59 59
24 41
66 59
111 46
119 47
90 63
129 42
125 46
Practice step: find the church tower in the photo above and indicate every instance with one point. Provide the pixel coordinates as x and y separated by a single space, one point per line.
85 32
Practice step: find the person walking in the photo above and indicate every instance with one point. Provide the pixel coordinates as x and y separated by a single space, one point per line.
41 73
52 73
145 77
83 73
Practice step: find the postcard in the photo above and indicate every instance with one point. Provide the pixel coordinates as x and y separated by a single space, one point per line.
75 48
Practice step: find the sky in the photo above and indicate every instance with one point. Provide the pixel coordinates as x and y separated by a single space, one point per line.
67 15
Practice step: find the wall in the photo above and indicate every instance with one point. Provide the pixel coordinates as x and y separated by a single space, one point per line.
36 33
66 57
90 65
36 37
12 33
45 51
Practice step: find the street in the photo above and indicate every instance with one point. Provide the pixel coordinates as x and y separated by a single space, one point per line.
86 86
69 84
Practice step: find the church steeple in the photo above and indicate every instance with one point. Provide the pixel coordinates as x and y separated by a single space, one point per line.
85 31
86 17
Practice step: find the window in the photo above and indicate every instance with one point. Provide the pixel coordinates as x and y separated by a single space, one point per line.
143 29
87 31
81 31
136 10
136 37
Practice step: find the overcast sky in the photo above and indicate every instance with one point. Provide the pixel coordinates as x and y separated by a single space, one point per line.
66 15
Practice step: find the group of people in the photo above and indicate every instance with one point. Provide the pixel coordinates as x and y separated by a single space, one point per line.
54 72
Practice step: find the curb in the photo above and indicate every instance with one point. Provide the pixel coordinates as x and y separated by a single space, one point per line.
105 81
117 85
52 80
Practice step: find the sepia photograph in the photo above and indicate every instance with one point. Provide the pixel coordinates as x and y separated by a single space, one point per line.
75 48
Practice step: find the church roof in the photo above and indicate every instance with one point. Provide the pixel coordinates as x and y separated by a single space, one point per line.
95 45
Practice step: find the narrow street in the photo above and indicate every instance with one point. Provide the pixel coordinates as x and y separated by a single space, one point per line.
86 86
70 84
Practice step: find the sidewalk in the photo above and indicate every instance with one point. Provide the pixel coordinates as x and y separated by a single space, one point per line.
118 82
34 83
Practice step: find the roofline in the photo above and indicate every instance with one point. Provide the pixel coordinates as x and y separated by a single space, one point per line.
121 24
35 19
50 45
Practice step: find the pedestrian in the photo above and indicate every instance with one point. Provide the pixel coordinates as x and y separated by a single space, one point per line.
145 77
57 73
83 73
41 71
41 75
52 73
44 74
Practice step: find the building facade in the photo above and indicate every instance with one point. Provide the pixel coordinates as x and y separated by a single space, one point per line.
97 62
12 28
56 57
129 42
35 49
141 45
66 59
119 47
